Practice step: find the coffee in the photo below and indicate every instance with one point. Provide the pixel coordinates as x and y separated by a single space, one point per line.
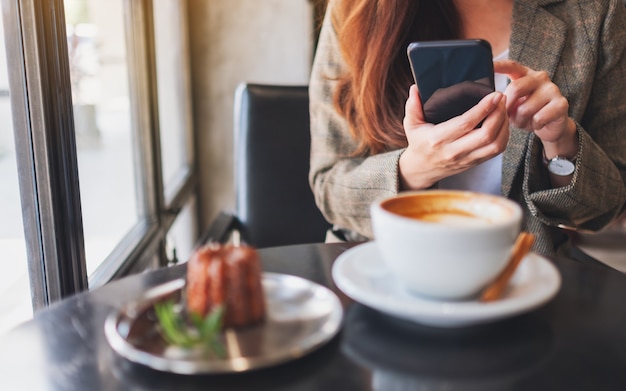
452 218
457 209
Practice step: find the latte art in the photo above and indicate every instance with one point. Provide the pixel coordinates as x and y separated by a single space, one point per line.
454 219
454 209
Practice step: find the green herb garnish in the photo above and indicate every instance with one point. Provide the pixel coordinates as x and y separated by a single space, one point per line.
191 333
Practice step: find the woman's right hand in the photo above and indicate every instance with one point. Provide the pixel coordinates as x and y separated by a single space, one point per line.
437 151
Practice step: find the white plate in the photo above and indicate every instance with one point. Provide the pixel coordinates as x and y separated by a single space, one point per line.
301 316
361 274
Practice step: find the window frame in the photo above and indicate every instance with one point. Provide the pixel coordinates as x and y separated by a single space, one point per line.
41 104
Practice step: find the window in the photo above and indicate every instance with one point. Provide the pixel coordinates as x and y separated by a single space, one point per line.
102 121
15 303
107 175
173 93
175 123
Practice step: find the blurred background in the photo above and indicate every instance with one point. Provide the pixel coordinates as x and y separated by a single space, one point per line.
152 86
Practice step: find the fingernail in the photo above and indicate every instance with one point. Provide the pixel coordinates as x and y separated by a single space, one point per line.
497 97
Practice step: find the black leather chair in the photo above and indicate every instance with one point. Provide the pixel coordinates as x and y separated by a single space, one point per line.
274 202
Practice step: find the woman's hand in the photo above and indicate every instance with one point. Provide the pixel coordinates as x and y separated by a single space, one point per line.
438 151
535 103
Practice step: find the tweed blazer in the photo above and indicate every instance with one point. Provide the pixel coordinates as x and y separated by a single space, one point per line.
582 46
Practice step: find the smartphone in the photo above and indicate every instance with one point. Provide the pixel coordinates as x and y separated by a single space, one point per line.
452 76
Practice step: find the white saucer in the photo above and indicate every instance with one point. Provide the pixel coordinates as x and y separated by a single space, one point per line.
361 274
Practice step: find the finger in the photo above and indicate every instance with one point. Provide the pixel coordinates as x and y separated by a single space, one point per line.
530 110
519 90
480 144
554 113
526 108
536 84
492 149
470 120
488 138
413 113
512 69
499 117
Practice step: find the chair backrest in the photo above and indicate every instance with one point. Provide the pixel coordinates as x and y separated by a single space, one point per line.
275 204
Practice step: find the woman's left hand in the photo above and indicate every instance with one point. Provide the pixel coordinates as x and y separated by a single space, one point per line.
535 103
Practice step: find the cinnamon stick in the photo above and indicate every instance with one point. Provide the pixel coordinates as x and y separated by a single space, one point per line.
522 246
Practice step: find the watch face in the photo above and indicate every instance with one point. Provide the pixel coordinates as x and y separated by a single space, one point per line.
561 166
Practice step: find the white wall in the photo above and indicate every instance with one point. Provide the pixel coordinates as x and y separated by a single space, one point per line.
262 41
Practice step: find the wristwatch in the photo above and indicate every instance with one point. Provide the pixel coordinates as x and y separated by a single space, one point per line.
559 165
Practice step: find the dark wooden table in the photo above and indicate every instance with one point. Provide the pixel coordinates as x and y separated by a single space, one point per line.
575 342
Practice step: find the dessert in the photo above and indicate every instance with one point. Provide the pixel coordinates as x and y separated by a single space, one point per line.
228 276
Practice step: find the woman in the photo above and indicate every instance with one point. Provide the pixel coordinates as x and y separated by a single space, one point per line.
566 99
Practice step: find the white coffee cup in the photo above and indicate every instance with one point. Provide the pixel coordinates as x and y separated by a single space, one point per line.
445 244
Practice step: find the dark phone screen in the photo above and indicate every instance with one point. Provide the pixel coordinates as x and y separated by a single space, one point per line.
452 76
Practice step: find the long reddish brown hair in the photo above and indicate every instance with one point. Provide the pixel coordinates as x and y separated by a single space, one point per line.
373 37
